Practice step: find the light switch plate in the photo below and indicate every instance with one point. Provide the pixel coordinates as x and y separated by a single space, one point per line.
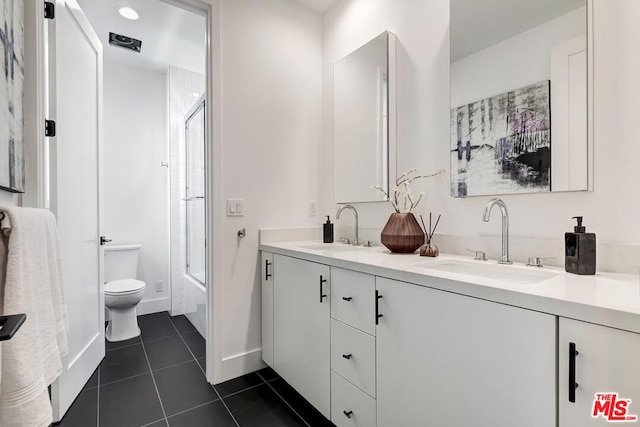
313 208
235 207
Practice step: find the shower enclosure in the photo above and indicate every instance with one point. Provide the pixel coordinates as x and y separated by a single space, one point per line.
195 138
194 225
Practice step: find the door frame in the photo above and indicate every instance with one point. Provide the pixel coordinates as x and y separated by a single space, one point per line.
214 207
36 102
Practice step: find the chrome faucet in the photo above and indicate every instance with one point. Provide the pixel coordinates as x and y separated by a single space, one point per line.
486 214
355 215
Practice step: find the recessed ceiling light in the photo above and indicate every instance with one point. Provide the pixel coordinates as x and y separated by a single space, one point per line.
195 95
129 13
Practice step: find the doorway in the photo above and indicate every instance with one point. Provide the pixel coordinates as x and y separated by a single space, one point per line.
137 166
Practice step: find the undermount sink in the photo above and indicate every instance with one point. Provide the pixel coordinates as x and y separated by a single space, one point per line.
503 273
329 247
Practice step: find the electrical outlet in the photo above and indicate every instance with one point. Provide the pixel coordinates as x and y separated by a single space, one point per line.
159 285
313 208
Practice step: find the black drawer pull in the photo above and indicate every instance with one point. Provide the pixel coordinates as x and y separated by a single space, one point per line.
573 385
347 356
322 281
348 414
347 298
266 269
378 315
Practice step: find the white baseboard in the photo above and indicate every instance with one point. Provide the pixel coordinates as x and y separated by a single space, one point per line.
153 306
242 364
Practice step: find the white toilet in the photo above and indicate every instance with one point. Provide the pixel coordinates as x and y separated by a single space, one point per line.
122 292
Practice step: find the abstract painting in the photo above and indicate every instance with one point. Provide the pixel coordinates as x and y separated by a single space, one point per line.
502 144
11 95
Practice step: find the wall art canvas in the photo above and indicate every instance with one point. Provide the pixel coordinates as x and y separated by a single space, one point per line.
502 144
11 95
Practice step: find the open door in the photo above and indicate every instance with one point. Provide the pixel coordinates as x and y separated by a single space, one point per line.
75 104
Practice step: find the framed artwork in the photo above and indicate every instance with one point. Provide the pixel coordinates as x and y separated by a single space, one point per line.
502 144
11 95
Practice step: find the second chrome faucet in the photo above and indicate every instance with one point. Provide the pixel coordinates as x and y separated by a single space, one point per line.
355 215
486 215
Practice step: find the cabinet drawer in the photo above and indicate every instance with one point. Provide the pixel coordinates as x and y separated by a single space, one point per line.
353 299
353 356
350 406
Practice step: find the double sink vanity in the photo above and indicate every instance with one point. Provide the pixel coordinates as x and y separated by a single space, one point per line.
378 339
372 338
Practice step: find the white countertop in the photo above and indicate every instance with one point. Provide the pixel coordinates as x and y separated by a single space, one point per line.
606 299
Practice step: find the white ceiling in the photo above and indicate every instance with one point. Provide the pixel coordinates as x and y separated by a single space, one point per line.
318 5
478 24
170 36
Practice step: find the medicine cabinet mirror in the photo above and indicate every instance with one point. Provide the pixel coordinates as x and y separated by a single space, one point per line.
364 121
520 114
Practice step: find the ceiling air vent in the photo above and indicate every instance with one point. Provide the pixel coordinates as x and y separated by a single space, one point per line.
124 41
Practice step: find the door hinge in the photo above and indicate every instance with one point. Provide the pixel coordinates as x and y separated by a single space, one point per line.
49 128
49 10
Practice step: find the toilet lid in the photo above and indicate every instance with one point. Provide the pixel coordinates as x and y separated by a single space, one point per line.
123 286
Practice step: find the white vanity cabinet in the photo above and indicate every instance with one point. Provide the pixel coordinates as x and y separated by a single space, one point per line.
448 360
301 328
599 360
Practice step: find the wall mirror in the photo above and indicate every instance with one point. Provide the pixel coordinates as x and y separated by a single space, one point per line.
364 121
520 90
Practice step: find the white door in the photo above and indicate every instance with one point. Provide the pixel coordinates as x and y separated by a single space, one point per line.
606 362
301 328
75 103
448 360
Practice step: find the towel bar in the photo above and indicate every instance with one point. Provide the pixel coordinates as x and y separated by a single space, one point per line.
9 325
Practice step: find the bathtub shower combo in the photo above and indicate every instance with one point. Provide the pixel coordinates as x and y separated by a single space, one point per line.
195 284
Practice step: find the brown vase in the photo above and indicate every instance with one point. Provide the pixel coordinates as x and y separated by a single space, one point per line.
402 234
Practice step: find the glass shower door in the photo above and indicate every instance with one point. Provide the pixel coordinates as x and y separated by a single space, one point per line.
195 190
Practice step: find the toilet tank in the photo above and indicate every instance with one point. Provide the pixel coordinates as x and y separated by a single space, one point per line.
121 262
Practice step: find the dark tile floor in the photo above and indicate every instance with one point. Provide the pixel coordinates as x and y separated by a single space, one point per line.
158 379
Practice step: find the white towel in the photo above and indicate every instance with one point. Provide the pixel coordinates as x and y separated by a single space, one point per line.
32 359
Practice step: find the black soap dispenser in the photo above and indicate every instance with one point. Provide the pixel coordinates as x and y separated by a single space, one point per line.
327 231
580 250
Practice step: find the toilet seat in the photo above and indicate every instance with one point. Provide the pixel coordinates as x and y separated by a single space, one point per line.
123 287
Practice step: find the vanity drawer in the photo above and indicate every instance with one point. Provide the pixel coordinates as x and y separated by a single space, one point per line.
350 406
353 356
353 298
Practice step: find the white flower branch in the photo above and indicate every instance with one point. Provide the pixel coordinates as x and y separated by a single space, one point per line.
403 200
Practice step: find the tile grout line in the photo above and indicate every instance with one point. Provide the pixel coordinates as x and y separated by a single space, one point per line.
205 373
195 407
241 391
124 379
153 422
124 346
153 378
225 406
283 399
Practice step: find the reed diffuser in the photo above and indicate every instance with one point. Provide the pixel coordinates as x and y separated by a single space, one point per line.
429 248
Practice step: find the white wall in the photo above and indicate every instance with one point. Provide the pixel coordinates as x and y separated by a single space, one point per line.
136 206
611 210
8 198
271 76
513 63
